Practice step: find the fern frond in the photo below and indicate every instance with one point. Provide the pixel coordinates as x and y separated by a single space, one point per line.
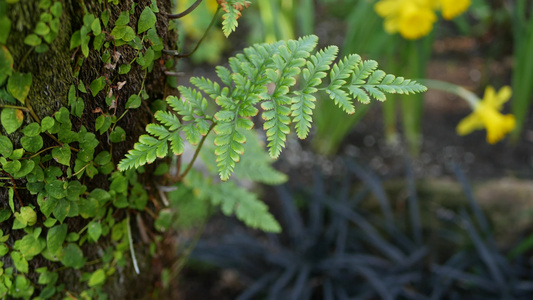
168 119
211 88
340 72
378 82
232 9
144 152
245 87
303 104
228 147
277 111
245 205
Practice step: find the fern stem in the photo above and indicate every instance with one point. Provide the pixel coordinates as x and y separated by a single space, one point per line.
189 167
185 12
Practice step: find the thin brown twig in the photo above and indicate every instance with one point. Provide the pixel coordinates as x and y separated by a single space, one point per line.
178 55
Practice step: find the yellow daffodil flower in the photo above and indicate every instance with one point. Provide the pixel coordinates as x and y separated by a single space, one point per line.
452 8
487 115
414 19
411 18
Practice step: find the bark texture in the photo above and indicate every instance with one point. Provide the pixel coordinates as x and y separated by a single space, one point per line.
53 73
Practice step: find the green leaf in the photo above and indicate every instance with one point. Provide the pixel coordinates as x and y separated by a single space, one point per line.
32 40
62 155
134 101
123 19
49 222
119 184
6 63
124 33
6 147
117 135
32 144
102 158
20 263
55 238
94 230
146 20
5 27
25 168
97 85
3 250
105 17
56 188
62 209
81 87
73 256
12 167
19 85
97 278
41 29
5 214
27 216
32 130
72 237
30 245
56 9
95 27
11 119
124 68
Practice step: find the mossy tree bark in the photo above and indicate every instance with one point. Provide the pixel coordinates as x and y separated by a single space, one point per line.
53 73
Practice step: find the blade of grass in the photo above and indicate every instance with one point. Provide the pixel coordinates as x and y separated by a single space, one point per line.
257 286
281 283
414 206
375 186
293 221
301 279
378 285
485 254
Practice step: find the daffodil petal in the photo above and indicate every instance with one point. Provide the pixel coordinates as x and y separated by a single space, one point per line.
453 8
469 123
503 95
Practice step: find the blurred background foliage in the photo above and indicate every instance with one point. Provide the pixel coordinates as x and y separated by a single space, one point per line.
353 226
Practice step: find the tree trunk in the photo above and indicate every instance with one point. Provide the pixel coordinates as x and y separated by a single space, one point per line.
53 74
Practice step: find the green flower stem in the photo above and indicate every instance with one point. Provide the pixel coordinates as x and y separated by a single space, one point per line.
417 54
471 98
